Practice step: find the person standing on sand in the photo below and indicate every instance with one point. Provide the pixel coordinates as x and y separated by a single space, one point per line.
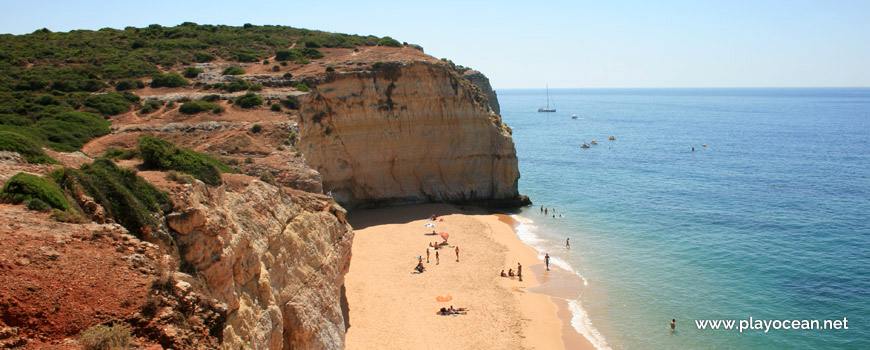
673 324
457 253
545 211
427 256
546 260
437 259
542 208
520 271
567 244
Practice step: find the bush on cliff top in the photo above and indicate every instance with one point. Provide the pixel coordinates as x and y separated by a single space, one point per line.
388 41
233 71
127 197
24 186
171 79
192 72
163 155
102 337
30 150
249 100
196 107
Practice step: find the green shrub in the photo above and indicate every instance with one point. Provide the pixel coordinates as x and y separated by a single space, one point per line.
114 153
191 72
70 215
237 85
217 110
268 178
276 68
256 87
211 98
249 100
127 197
284 64
129 84
203 57
37 205
163 155
256 128
30 150
286 55
388 41
275 107
69 131
302 87
311 42
288 75
233 71
171 79
100 337
24 186
330 69
196 107
179 177
249 160
150 106
111 103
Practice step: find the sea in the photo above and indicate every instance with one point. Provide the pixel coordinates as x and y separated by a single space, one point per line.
709 204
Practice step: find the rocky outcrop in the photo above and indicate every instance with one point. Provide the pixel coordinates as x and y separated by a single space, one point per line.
404 133
482 83
277 260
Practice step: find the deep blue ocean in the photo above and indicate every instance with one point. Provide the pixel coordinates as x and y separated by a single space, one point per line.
771 220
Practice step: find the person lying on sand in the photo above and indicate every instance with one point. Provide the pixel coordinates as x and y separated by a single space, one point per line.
420 267
451 311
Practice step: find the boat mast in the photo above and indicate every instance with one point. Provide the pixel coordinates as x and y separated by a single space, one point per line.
548 96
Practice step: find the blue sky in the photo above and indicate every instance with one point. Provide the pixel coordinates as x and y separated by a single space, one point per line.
582 44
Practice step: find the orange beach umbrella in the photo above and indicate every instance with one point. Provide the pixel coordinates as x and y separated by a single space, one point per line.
444 235
444 298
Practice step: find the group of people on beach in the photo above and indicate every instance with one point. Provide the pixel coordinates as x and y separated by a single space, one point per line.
511 272
436 246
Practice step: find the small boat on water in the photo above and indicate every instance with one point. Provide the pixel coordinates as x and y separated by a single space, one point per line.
574 116
594 142
585 145
548 109
612 138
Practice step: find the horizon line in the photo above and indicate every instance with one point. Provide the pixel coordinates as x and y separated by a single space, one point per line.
699 87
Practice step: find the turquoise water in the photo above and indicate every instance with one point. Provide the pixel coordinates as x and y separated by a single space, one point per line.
771 220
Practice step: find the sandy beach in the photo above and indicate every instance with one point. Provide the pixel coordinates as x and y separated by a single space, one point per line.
390 307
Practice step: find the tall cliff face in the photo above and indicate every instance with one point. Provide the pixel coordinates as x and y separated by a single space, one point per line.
407 132
276 258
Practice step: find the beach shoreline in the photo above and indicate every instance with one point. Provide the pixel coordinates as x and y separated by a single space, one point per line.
389 307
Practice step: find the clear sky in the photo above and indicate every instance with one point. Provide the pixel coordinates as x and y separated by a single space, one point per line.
526 44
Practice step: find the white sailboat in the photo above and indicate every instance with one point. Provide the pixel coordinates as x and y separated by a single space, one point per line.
547 109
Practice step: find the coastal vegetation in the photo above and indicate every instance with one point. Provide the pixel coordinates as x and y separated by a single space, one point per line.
163 155
47 79
28 187
127 197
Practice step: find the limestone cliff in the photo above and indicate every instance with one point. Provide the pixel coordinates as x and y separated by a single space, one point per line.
407 132
482 83
277 258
